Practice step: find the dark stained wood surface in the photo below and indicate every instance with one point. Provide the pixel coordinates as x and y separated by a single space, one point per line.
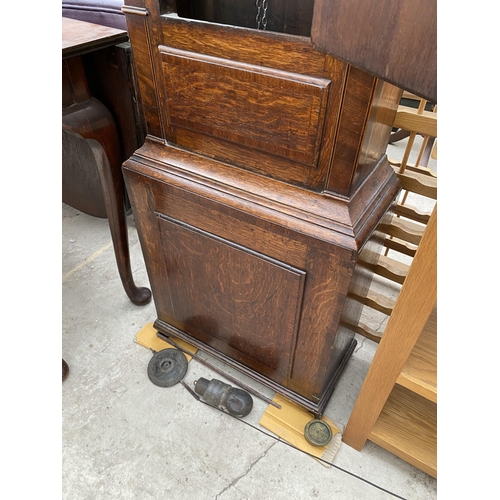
112 80
210 95
261 180
245 285
392 39
283 16
80 37
95 187
138 26
91 120
229 253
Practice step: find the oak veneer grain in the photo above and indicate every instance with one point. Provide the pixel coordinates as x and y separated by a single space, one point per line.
419 373
407 427
404 357
257 193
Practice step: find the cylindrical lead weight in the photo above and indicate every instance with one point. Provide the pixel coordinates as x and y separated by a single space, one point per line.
234 401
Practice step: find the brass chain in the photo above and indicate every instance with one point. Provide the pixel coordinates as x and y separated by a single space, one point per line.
261 18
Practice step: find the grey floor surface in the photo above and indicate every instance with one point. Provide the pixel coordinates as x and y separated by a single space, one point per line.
125 438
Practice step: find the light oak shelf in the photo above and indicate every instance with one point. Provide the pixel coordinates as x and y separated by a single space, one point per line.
420 371
407 427
397 405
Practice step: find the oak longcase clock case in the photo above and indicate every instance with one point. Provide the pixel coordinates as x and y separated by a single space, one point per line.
259 187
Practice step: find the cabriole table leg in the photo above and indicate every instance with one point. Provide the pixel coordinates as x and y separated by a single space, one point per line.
92 121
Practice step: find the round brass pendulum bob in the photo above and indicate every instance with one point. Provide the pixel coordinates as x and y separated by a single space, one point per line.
318 433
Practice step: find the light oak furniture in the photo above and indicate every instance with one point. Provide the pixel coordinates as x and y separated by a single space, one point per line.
95 140
258 192
397 405
404 232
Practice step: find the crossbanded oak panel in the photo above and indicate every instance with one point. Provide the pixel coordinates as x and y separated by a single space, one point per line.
269 110
234 299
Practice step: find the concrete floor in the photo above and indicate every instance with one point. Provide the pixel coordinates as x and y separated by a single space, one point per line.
125 438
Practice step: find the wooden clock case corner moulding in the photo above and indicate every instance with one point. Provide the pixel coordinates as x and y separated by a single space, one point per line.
257 194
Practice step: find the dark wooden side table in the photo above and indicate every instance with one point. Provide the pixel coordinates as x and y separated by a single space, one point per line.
86 118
